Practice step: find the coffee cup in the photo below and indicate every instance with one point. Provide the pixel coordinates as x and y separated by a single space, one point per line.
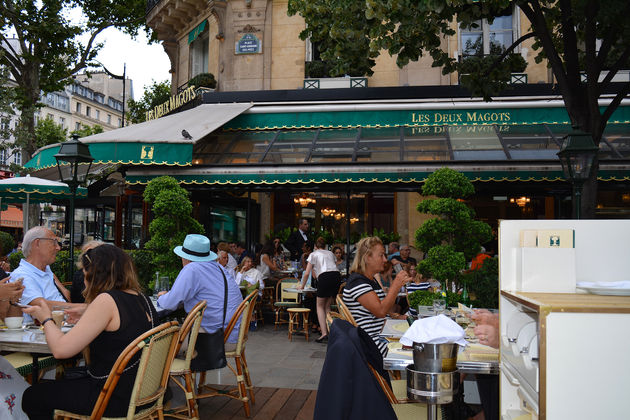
13 322
58 315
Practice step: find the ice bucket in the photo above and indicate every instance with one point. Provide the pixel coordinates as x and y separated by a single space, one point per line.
435 358
431 388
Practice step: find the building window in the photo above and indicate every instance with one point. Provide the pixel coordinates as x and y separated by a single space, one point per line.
62 122
17 157
119 122
483 38
109 119
98 114
5 124
3 157
88 111
50 117
77 126
78 108
199 55
63 103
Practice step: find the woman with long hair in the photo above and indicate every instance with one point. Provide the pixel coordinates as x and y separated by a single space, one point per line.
116 314
267 264
321 263
340 260
366 300
248 275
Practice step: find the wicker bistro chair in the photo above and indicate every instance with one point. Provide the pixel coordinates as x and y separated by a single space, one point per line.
344 311
157 348
180 369
285 300
240 369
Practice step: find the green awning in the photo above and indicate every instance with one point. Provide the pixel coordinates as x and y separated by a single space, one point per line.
197 31
126 153
410 118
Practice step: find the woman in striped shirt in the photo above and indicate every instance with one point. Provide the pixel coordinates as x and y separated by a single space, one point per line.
365 299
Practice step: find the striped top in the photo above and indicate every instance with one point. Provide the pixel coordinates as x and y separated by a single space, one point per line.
357 286
412 287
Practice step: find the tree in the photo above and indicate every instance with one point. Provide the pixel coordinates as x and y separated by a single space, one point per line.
86 130
47 132
575 37
156 94
47 52
173 221
453 237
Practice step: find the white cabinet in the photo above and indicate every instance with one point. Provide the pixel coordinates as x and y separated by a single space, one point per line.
564 355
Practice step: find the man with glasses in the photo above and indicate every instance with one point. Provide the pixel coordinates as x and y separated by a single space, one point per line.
40 247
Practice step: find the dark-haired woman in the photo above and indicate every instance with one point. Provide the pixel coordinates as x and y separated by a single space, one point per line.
322 263
117 313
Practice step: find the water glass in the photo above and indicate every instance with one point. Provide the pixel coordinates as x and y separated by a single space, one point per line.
439 306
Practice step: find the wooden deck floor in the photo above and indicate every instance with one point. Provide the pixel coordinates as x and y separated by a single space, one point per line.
271 403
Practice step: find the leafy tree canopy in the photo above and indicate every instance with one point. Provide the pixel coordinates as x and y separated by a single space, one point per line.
47 50
156 94
48 132
85 130
575 37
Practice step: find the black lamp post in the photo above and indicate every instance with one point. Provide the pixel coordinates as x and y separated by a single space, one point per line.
73 152
577 156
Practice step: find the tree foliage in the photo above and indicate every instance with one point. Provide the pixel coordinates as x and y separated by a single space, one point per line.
172 222
575 37
48 132
85 130
453 237
47 49
156 94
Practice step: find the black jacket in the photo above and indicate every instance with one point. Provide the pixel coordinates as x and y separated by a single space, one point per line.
294 244
347 388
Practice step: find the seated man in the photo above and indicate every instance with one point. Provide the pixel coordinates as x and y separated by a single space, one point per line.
40 247
201 278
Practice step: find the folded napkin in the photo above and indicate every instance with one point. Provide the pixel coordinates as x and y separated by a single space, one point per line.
605 284
434 330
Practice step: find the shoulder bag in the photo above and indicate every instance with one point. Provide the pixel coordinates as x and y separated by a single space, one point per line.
210 347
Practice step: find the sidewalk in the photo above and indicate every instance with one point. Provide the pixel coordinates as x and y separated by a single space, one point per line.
276 362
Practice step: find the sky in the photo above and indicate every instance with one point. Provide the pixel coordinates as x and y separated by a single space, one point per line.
145 63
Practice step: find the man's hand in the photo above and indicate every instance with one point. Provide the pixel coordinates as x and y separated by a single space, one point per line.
488 335
485 317
74 312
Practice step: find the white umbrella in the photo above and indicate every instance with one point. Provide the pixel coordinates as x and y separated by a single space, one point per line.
27 189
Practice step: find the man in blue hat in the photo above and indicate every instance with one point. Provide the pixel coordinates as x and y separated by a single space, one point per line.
201 278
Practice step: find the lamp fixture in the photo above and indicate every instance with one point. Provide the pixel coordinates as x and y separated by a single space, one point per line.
304 200
354 220
327 211
339 216
520 201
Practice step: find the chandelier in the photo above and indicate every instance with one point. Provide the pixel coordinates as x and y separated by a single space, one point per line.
304 200
520 201
328 212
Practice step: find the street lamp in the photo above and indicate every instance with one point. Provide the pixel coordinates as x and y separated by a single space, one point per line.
577 156
73 152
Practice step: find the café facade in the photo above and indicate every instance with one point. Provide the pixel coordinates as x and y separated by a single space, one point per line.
350 161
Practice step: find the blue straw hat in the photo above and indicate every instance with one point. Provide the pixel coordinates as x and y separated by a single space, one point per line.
195 248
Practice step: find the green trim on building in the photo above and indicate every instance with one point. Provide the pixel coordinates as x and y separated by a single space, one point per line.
126 153
419 118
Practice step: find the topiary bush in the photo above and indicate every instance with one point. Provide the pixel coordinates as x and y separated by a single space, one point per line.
172 222
143 260
203 80
7 243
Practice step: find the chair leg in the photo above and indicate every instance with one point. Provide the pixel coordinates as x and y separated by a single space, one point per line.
277 322
248 379
240 379
202 380
191 402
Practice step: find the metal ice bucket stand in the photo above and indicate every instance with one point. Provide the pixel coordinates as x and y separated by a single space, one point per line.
433 378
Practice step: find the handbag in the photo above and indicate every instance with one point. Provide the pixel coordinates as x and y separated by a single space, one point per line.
210 347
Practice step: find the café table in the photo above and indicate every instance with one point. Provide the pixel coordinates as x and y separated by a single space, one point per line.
296 290
28 340
475 358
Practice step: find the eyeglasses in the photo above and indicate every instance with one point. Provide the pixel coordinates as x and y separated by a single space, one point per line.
51 239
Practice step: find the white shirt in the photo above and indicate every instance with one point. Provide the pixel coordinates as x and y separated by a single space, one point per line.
231 264
323 261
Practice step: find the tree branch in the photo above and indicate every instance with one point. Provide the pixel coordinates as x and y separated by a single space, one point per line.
82 61
592 69
569 41
10 58
621 62
613 106
511 48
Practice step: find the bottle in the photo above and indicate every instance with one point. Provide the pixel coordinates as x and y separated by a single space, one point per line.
465 298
